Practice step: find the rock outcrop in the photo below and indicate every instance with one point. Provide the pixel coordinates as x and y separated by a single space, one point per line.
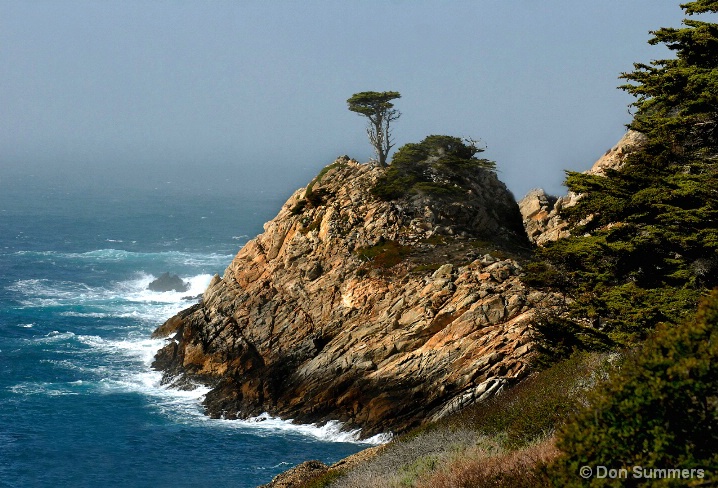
378 314
615 157
540 211
168 282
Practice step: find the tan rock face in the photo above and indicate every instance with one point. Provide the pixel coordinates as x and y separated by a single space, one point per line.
378 314
615 157
541 216
540 211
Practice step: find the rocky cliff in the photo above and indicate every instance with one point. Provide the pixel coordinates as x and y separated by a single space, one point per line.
379 314
540 211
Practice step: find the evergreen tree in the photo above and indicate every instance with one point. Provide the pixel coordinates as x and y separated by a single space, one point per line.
645 238
377 107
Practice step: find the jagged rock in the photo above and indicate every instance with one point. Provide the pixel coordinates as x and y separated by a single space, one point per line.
540 211
540 215
615 157
168 282
364 311
298 475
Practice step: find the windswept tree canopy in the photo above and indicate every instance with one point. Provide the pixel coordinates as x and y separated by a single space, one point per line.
437 165
377 107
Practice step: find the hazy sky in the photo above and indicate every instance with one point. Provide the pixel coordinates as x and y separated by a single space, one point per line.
244 95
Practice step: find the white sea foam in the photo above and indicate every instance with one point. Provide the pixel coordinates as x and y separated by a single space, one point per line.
184 406
126 299
331 431
129 371
42 388
108 365
114 255
138 291
55 336
265 424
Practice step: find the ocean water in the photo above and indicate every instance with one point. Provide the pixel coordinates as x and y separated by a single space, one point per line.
79 403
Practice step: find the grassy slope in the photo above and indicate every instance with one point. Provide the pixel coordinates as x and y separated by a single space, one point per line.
506 441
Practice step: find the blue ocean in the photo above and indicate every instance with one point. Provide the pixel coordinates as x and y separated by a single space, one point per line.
80 405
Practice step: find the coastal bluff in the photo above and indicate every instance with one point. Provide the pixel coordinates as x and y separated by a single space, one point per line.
379 314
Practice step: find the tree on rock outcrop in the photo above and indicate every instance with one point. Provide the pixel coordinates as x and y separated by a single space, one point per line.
377 107
645 243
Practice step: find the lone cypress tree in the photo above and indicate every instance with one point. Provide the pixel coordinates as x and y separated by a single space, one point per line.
645 243
377 107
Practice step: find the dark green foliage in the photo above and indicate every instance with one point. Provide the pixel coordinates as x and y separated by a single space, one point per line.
659 410
645 242
560 338
318 179
299 207
436 166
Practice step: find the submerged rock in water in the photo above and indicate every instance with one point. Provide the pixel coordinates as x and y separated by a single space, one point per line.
168 282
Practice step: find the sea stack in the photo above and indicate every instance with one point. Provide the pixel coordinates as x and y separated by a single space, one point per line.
168 282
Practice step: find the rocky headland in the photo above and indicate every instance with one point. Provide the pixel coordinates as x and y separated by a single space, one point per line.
380 314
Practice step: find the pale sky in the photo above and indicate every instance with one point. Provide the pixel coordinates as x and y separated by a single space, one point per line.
249 95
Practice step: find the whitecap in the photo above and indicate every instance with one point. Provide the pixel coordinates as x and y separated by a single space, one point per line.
143 349
55 336
332 431
185 406
140 293
48 389
129 299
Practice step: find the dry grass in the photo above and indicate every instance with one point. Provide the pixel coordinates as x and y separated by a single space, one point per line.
405 461
504 442
524 468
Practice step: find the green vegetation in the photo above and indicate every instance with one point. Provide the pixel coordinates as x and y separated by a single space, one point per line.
437 166
559 338
646 240
377 107
659 410
324 480
504 442
318 179
384 254
536 407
